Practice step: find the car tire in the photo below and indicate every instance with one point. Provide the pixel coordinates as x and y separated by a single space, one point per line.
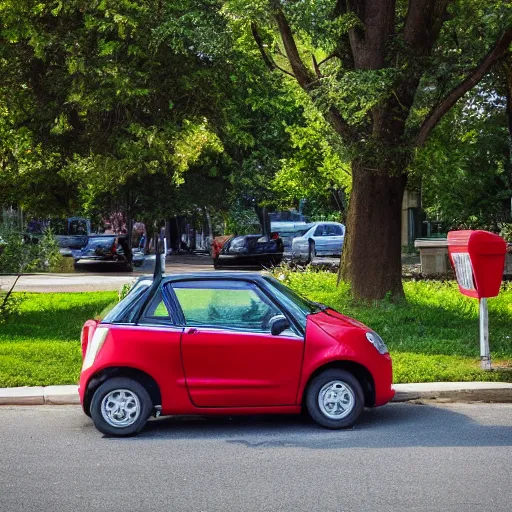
126 420
311 251
335 399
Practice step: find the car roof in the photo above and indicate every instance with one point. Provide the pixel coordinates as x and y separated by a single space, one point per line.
326 222
208 276
108 235
244 276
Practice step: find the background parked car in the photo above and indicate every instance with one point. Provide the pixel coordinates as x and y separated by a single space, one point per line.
71 233
321 239
251 250
287 231
109 249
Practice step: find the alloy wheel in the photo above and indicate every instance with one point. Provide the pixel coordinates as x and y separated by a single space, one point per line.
336 400
120 408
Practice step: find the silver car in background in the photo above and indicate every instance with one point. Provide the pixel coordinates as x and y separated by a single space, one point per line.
287 231
321 239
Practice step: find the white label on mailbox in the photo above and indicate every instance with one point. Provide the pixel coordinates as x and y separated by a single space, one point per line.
463 270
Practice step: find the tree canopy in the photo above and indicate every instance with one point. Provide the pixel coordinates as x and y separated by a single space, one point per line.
161 107
383 74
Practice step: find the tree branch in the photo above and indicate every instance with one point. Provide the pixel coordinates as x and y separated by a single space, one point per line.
267 59
339 124
435 115
316 67
284 70
6 298
328 58
301 72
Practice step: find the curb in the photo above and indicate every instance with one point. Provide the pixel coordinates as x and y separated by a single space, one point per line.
40 395
494 392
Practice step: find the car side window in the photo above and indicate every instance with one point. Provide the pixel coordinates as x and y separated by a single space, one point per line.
320 230
225 304
334 230
156 311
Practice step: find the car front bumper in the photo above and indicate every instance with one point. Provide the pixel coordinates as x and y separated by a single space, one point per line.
384 391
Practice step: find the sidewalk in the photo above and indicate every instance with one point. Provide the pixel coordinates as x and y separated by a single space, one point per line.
445 391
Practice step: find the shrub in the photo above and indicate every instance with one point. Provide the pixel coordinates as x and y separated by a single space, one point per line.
506 231
21 254
123 292
9 303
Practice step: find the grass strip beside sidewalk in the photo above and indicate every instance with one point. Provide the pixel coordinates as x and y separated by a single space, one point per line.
432 337
41 346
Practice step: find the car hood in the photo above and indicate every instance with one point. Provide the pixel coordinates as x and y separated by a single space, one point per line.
336 324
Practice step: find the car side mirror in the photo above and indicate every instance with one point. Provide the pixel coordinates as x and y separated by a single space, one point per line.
278 324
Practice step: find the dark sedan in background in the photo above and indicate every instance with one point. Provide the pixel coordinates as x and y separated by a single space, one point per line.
111 249
248 250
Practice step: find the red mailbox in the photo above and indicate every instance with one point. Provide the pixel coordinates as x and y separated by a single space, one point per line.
478 258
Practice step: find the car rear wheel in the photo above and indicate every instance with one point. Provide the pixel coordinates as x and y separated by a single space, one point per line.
120 407
335 399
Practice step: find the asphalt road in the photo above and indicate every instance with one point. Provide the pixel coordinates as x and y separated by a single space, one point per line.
402 457
91 276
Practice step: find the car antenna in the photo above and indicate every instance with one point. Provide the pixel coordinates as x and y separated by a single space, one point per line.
157 274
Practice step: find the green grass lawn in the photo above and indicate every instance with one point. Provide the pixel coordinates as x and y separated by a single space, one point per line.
41 346
431 337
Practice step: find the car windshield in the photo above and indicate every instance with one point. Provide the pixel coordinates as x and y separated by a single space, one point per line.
77 227
299 306
121 311
303 231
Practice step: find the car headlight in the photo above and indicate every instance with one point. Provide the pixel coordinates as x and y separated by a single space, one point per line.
94 346
377 342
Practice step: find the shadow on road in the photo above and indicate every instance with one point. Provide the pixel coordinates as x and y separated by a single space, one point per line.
393 426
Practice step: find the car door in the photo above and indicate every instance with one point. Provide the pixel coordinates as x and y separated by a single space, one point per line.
229 356
154 345
319 237
333 239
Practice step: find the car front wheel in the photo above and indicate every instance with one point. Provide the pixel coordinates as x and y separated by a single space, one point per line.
335 399
120 407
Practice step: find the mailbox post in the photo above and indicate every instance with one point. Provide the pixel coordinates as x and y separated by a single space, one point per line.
478 258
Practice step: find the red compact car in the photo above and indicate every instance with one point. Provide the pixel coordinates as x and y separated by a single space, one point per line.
227 343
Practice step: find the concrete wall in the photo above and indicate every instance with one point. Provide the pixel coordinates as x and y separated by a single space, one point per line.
434 257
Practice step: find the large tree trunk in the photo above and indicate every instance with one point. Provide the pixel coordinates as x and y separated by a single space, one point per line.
371 260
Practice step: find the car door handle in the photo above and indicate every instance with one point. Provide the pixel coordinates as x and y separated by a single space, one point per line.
192 330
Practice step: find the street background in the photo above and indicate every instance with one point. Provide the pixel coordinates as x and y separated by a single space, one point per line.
401 457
